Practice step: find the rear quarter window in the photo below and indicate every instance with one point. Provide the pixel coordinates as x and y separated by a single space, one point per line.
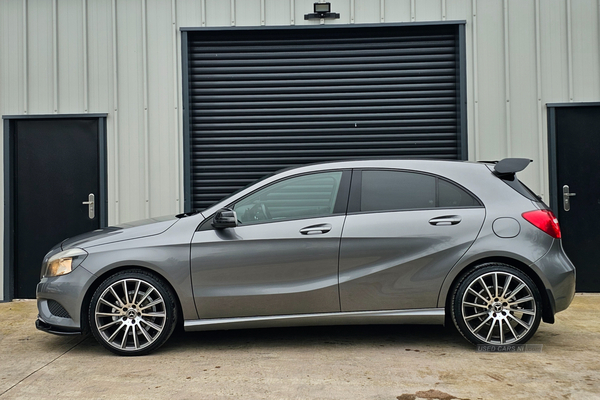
450 195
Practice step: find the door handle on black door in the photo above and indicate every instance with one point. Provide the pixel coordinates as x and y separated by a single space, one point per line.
445 220
316 229
567 197
90 204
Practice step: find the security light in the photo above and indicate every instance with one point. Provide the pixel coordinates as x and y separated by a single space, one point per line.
322 10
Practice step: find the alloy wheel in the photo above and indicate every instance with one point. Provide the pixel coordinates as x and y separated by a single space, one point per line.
499 308
130 314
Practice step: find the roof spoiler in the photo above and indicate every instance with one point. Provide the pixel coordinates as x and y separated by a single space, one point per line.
508 167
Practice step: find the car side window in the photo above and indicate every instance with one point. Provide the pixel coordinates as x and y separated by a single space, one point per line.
396 190
385 190
303 196
450 195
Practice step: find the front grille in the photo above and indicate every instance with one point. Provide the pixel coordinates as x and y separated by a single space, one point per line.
57 310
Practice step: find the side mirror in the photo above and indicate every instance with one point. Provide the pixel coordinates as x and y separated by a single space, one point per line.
225 218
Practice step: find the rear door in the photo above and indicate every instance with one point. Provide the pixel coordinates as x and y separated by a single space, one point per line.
403 233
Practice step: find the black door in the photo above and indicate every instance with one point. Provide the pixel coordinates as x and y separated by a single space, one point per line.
56 168
575 142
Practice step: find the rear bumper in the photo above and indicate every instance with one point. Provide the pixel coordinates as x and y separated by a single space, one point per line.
559 273
56 330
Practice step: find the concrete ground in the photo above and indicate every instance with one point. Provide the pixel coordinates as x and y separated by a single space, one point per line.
365 362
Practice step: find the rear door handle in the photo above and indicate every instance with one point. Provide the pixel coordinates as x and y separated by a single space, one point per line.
316 229
445 220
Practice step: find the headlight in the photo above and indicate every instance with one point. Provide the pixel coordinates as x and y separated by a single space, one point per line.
64 262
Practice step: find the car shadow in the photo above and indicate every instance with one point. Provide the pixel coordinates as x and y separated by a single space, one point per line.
406 337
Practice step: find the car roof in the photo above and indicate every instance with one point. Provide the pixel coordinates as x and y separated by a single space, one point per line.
425 165
474 176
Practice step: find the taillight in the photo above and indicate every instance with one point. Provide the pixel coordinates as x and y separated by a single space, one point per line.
544 220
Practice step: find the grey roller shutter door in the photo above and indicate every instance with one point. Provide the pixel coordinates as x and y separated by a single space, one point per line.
260 100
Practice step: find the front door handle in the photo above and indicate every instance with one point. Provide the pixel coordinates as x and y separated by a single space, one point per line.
445 220
567 197
90 204
316 229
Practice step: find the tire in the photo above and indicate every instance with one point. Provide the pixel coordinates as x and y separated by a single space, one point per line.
496 304
132 313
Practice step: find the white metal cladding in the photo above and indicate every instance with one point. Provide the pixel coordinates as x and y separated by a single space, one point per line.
123 58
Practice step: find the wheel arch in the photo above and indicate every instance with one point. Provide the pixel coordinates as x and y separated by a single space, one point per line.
85 304
547 305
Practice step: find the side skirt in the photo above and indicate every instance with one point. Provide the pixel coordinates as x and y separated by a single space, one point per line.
431 316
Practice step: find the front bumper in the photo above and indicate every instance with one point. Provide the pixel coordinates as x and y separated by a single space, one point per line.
56 330
59 301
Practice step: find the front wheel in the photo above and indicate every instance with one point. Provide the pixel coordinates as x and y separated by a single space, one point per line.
496 304
132 313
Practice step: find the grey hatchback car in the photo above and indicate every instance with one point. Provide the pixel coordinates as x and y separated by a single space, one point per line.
356 242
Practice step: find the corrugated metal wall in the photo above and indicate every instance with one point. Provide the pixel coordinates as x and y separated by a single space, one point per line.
123 57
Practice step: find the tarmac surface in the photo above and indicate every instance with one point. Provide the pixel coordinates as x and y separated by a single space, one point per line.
402 362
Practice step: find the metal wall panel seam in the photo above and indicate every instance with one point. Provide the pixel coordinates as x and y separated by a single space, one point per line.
55 53
25 60
203 16
116 112
507 82
538 67
145 94
569 50
413 10
262 12
232 12
292 12
382 10
443 10
176 68
85 58
476 147
352 7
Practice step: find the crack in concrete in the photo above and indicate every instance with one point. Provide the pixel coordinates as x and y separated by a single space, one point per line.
43 366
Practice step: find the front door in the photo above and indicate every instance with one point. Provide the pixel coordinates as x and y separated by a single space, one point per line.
575 154
55 170
281 259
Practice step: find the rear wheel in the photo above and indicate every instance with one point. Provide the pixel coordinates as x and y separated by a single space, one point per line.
496 304
132 313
